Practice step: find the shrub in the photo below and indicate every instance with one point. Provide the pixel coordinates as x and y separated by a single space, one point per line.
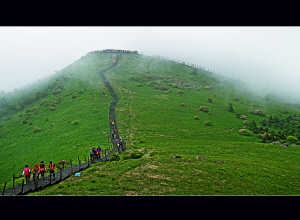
135 78
204 108
57 91
207 122
230 108
115 157
257 112
244 132
208 87
292 139
36 129
44 101
182 104
136 154
246 122
51 108
161 87
196 118
75 122
180 92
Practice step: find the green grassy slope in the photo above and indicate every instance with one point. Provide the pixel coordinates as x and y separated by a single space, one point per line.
36 133
151 120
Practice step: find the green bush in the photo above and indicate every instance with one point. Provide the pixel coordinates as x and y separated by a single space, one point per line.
36 129
292 139
208 122
115 157
245 132
136 154
75 122
131 155
204 108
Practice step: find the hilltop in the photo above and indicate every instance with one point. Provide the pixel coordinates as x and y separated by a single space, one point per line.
165 109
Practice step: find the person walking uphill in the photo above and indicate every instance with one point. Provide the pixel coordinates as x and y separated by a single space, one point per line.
42 169
26 173
36 172
52 169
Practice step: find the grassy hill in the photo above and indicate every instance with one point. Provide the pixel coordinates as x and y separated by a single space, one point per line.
159 114
63 123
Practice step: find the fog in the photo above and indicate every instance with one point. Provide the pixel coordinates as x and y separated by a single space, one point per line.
265 57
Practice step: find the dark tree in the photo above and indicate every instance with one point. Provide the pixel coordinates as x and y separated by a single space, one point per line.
230 108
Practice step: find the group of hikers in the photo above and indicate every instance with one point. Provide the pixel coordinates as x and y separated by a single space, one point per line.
95 153
37 170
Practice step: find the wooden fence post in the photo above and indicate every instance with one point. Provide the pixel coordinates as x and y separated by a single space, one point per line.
13 180
71 166
79 162
60 173
22 186
4 188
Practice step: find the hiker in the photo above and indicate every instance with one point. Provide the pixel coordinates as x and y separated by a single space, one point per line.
26 173
92 154
42 169
36 171
98 152
52 168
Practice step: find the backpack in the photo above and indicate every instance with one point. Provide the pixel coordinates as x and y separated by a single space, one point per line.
52 166
91 152
42 167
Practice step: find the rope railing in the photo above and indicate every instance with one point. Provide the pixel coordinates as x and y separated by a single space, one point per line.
65 172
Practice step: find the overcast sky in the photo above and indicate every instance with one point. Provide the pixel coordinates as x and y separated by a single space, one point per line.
266 57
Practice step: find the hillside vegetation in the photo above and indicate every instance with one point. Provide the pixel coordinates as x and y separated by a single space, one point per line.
58 118
220 130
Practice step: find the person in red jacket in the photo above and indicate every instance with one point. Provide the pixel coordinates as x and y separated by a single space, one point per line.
26 173
42 169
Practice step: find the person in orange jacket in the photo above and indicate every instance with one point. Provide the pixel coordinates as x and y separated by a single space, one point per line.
52 168
42 169
36 171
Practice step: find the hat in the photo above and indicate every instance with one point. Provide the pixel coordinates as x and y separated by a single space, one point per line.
36 164
42 162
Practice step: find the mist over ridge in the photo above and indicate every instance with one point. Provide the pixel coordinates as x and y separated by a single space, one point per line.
267 58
